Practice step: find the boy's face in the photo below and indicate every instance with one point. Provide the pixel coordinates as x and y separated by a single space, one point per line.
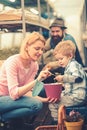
62 60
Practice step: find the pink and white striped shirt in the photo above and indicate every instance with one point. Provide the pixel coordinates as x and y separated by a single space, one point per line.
14 75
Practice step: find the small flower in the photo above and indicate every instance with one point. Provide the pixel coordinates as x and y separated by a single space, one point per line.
73 116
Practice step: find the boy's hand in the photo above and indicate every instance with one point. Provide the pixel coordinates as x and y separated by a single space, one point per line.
59 78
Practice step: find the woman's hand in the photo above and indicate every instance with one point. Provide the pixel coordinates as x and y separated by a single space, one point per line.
47 100
43 75
53 100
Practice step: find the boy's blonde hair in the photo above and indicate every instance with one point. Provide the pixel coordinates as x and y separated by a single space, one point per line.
28 40
66 48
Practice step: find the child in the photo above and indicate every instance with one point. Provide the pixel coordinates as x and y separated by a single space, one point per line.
74 78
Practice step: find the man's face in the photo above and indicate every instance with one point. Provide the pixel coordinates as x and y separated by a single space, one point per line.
56 33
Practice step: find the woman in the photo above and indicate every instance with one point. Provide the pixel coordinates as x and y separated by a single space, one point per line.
17 79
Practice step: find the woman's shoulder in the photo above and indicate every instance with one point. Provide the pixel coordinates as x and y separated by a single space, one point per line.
13 59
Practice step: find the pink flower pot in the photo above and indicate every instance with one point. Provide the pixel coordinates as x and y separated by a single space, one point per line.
53 90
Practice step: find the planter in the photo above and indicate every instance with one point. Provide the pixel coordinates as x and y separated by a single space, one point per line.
74 125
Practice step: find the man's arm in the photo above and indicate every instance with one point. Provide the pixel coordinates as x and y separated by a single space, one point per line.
47 45
51 65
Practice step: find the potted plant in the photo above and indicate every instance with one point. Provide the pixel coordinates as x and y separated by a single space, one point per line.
74 121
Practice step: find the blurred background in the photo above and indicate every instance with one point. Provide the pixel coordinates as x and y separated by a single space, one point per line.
19 17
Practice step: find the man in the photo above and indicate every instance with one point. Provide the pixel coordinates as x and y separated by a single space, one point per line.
58 33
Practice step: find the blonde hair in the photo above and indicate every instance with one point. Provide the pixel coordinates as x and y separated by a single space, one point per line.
66 48
28 40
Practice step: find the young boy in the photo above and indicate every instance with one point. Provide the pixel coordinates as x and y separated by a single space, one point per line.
74 78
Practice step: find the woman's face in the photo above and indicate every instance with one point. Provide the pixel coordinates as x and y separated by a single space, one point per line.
35 50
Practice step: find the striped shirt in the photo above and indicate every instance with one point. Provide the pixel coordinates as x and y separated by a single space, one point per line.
14 75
